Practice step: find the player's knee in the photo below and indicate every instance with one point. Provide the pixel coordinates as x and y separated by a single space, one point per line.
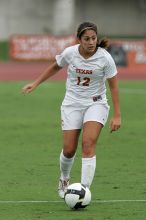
88 147
68 152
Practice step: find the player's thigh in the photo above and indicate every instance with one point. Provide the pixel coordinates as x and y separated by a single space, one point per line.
95 118
91 131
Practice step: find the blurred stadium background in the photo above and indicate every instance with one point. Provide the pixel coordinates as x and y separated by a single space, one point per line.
32 32
114 18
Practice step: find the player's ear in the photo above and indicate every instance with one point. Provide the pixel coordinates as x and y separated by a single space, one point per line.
78 40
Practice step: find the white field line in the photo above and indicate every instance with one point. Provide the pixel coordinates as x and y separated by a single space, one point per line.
133 91
60 201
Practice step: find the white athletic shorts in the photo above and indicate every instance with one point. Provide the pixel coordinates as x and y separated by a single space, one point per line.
74 118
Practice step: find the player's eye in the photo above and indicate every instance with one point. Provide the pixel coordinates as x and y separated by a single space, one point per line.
86 38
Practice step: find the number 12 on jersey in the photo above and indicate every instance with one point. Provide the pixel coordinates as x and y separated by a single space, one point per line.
85 81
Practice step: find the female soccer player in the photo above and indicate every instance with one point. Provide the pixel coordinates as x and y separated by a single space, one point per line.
85 104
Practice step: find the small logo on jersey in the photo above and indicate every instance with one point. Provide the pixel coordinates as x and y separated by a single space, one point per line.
83 71
74 66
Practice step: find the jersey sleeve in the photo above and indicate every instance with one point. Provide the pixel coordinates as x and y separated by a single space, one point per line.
110 68
64 58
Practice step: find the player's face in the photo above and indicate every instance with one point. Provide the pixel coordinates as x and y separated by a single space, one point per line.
88 41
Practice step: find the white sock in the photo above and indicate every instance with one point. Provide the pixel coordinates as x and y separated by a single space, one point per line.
88 170
65 166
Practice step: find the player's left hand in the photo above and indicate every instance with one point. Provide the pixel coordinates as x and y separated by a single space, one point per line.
115 123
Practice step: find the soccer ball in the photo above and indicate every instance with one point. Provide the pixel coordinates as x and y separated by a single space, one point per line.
77 196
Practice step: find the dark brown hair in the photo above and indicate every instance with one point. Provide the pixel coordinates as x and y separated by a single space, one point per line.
104 43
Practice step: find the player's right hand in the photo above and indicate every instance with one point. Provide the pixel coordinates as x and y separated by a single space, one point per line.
28 88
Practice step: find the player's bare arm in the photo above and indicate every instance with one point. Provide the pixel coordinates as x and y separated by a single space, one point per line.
115 122
50 71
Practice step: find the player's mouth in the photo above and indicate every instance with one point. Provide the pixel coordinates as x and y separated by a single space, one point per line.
91 48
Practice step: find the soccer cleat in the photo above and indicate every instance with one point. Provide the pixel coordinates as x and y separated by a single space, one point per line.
63 184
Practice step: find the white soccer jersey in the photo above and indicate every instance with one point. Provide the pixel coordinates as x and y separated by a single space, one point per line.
86 77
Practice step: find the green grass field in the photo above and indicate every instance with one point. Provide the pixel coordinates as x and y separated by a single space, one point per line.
30 144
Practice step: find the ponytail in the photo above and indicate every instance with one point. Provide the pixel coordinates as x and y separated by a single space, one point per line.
104 43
